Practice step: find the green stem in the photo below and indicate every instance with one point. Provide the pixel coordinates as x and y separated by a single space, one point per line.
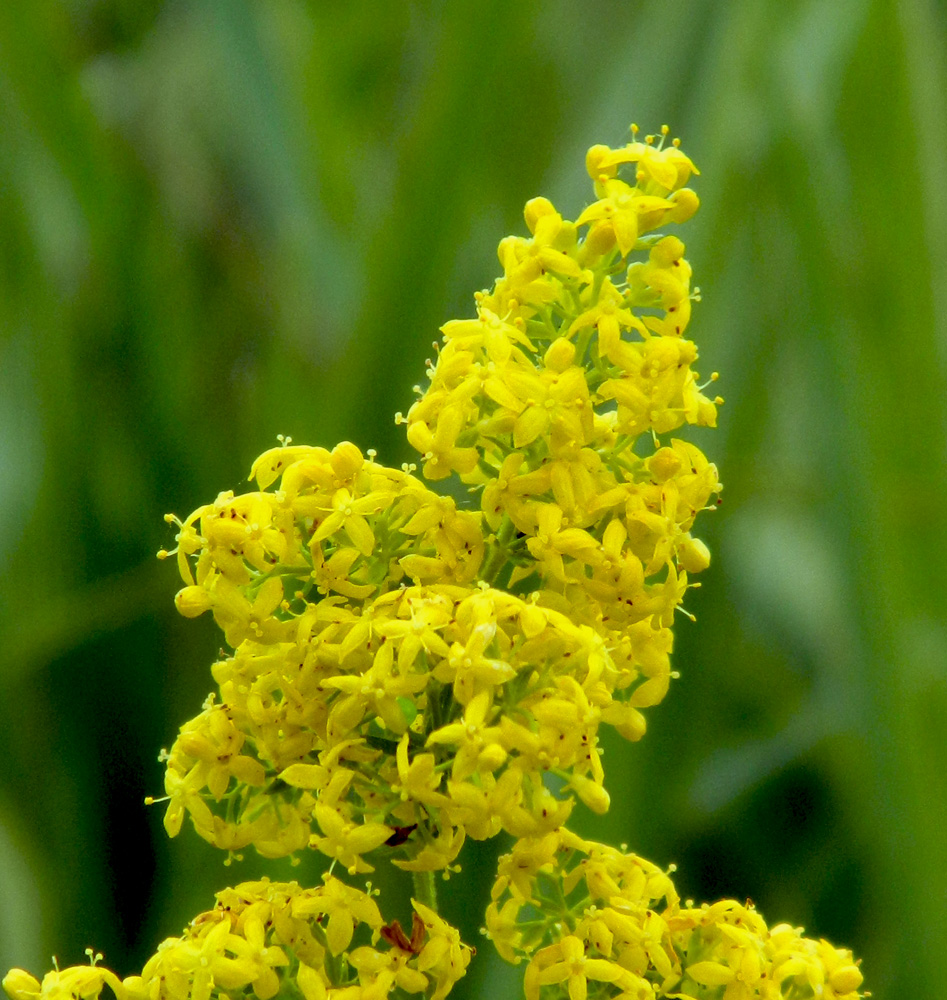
425 889
498 557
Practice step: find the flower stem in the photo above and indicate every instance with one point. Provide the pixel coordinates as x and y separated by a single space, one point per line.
498 557
425 889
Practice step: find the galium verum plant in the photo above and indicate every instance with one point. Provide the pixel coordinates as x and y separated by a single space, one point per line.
406 671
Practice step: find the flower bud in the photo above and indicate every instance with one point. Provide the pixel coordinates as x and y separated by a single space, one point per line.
685 203
666 251
598 161
693 555
192 601
535 209
664 464
844 979
591 793
20 985
560 355
346 459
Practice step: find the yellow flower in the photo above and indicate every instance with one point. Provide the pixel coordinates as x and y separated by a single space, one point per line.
347 841
258 959
479 749
437 853
418 777
334 574
552 541
566 962
347 514
618 214
242 618
80 982
610 315
468 669
343 905
439 447
377 691
443 954
526 260
507 494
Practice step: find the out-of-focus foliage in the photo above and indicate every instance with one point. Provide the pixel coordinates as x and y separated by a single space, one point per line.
224 221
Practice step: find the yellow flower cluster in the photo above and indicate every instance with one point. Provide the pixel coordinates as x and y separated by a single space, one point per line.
406 672
584 913
265 939
434 711
552 401
339 526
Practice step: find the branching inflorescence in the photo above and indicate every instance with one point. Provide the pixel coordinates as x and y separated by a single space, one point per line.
406 671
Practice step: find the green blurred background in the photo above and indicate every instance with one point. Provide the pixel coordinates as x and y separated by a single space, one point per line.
223 220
